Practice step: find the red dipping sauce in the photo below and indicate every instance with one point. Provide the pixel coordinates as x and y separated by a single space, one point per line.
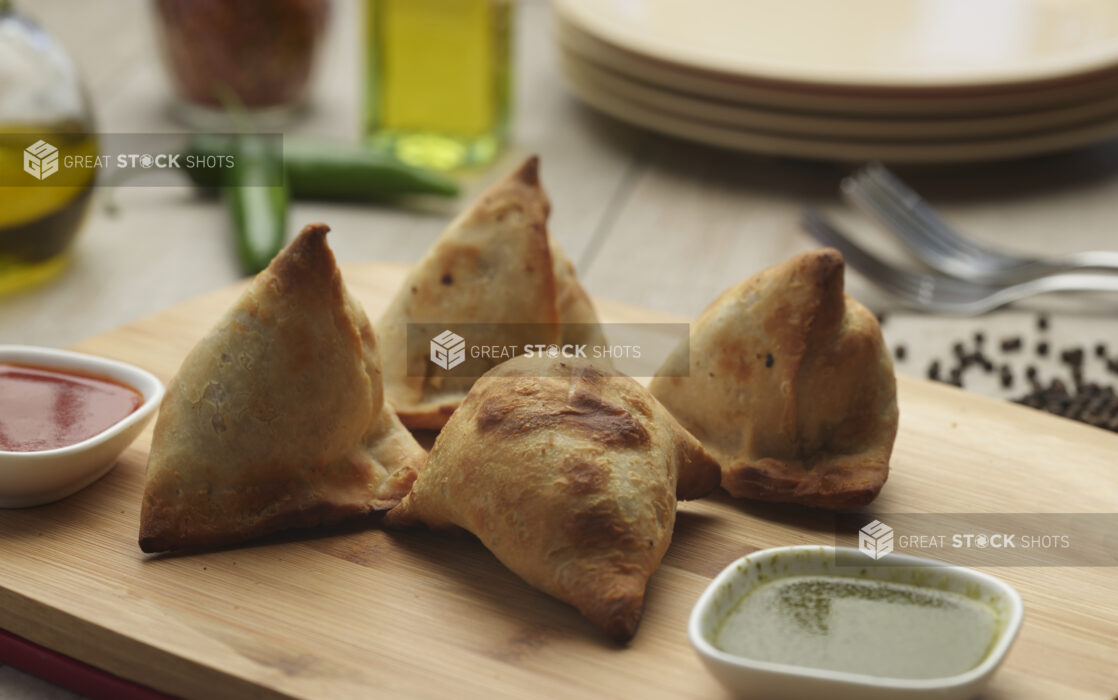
43 408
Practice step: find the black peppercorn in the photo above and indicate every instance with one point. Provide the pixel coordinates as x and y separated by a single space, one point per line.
1006 377
1072 356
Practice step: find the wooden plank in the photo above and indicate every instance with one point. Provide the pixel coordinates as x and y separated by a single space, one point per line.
351 612
698 221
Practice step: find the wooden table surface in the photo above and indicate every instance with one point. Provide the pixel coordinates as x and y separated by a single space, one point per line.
648 220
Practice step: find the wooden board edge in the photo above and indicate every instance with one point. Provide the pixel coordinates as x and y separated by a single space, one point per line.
117 654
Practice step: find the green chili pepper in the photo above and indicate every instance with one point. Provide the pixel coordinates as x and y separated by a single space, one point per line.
256 193
324 170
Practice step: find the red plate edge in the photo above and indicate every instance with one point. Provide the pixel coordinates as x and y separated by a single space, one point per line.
70 673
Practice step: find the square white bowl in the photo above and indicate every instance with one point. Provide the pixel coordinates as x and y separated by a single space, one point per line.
34 478
754 678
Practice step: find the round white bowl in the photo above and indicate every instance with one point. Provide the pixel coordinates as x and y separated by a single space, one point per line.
34 478
753 678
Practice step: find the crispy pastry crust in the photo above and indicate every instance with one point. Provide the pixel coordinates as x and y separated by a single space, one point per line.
276 419
569 476
493 264
790 386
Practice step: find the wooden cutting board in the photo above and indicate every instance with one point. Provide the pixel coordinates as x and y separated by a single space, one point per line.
357 613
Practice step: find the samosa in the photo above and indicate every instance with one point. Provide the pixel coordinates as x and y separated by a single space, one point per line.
276 419
496 269
788 382
570 476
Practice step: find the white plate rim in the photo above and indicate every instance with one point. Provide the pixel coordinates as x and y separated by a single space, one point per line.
873 127
821 99
822 149
582 14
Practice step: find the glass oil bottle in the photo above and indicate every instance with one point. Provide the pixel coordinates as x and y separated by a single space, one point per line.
44 117
438 80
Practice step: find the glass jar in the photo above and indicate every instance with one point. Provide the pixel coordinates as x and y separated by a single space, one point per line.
45 117
230 55
438 77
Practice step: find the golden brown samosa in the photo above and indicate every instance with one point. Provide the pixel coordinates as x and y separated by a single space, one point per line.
790 386
276 419
569 476
494 265
580 324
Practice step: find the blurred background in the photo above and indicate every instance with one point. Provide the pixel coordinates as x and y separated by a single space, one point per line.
679 145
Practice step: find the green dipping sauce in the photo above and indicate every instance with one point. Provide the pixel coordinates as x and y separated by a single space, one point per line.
877 628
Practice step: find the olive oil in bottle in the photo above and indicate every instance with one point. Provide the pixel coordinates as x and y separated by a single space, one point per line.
39 220
438 79
46 125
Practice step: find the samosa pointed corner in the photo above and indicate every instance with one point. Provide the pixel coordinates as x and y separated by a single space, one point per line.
496 266
276 419
790 387
306 255
528 172
619 610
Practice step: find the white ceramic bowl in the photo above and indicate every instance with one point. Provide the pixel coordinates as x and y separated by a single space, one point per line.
754 678
34 478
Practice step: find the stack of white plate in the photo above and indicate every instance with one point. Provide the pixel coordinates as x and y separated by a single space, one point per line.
895 80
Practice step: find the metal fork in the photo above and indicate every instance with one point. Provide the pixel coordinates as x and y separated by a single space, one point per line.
942 294
882 195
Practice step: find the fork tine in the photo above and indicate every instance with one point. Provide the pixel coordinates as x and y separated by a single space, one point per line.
946 294
916 210
869 196
882 195
882 274
928 219
924 291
